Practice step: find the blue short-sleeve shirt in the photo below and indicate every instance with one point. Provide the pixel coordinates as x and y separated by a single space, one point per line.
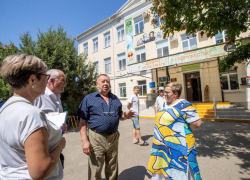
102 117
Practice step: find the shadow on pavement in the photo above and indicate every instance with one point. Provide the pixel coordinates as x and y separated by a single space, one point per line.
137 172
145 138
219 139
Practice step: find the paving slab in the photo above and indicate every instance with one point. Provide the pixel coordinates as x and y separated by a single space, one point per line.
223 150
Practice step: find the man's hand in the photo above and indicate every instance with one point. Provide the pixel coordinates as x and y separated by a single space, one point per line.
129 114
86 147
64 128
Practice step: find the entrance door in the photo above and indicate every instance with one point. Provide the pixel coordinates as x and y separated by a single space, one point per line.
193 86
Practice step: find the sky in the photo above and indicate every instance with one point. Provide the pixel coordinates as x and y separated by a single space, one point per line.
76 16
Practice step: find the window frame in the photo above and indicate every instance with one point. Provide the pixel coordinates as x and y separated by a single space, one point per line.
228 81
188 40
106 36
162 48
158 20
122 62
96 67
123 37
224 38
123 88
84 52
109 64
142 87
94 44
136 53
139 32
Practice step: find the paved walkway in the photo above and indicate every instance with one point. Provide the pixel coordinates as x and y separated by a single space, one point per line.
223 150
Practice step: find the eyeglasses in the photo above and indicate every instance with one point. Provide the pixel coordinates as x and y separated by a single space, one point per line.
166 92
47 75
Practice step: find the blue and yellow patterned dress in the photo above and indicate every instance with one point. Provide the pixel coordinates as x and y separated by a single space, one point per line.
174 144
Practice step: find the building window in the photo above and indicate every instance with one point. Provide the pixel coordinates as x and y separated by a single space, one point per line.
107 40
107 66
188 42
85 49
221 37
121 62
140 54
229 80
139 25
122 90
158 21
96 67
143 88
162 48
120 33
95 45
163 81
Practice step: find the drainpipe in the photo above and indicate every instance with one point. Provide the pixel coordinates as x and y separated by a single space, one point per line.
222 93
167 73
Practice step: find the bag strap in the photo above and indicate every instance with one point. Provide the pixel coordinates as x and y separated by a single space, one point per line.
1 110
13 102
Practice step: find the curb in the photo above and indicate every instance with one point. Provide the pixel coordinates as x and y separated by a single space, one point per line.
212 119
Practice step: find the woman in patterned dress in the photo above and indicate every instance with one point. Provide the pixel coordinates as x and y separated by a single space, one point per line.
173 155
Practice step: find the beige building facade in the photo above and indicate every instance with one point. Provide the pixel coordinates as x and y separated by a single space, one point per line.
132 51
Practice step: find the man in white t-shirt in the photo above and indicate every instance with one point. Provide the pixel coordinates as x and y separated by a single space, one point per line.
134 104
159 100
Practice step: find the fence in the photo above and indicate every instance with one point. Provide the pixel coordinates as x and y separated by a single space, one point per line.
73 122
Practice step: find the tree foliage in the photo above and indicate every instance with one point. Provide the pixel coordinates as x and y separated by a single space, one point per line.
5 50
205 16
58 51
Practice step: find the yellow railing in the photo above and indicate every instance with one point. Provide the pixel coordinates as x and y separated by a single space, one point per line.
73 122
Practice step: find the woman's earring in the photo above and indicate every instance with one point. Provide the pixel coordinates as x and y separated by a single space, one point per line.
32 86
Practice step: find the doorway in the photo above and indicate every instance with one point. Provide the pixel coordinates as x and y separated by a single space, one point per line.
193 86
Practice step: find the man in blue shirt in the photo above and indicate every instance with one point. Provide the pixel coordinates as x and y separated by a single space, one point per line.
102 110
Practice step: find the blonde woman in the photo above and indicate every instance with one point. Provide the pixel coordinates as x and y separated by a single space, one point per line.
30 148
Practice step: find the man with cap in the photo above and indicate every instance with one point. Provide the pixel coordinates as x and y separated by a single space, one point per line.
159 100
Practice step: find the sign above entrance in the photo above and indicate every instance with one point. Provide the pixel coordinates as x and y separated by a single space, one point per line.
156 63
190 67
191 56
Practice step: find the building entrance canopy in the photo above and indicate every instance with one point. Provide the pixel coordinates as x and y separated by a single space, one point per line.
189 56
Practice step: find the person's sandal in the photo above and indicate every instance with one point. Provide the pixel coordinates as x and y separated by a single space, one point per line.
136 142
144 143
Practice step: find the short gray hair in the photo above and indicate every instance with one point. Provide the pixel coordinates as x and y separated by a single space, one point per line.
102 75
17 68
54 73
176 88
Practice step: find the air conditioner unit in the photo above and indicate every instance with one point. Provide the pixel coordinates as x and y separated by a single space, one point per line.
145 14
173 37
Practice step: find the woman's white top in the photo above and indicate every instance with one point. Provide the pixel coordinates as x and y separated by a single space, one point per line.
17 122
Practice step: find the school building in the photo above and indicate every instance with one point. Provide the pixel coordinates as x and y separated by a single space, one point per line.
132 51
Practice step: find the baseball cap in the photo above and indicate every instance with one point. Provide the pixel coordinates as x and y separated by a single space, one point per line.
161 88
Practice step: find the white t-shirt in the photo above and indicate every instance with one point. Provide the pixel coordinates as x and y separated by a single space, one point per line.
135 104
17 122
159 102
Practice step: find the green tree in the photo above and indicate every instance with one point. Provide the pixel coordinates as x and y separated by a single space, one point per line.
6 50
206 17
58 51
